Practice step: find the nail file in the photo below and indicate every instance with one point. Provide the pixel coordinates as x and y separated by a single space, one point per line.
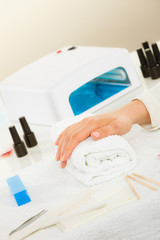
18 190
114 201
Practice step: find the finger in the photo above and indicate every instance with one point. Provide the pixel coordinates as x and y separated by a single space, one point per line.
110 129
63 164
58 139
71 146
65 142
88 122
65 138
75 139
64 132
58 154
74 135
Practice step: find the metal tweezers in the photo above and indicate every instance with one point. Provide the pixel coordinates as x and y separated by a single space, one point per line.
28 222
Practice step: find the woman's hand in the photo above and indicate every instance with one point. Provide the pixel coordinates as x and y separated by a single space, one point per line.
99 126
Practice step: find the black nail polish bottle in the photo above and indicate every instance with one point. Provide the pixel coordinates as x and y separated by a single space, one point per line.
18 145
156 53
29 136
152 65
144 64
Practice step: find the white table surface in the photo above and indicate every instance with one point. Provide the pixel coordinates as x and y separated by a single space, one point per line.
11 165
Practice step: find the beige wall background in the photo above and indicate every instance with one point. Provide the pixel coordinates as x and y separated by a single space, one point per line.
30 29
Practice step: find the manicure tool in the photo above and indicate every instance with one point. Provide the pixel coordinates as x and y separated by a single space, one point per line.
46 218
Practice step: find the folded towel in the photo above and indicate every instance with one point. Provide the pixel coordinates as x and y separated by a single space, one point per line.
93 162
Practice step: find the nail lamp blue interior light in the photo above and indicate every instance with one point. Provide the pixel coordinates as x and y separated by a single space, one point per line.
98 90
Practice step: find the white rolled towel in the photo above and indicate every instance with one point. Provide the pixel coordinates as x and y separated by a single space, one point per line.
93 162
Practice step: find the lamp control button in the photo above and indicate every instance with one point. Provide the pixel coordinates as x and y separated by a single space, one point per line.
72 48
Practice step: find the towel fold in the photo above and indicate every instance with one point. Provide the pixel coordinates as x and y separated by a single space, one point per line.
93 162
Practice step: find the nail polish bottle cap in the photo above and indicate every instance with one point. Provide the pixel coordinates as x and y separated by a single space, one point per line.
145 45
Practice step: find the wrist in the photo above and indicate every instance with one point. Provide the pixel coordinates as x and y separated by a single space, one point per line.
137 112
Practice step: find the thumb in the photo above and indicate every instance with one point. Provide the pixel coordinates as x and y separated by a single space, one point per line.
110 129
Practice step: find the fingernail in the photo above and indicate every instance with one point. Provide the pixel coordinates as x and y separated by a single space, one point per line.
57 156
63 164
96 134
63 158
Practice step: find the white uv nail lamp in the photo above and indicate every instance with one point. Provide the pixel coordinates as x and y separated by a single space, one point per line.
71 81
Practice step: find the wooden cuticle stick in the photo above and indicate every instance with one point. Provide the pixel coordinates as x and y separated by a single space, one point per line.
143 183
133 189
147 179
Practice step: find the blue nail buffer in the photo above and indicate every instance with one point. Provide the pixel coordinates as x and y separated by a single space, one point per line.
18 190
